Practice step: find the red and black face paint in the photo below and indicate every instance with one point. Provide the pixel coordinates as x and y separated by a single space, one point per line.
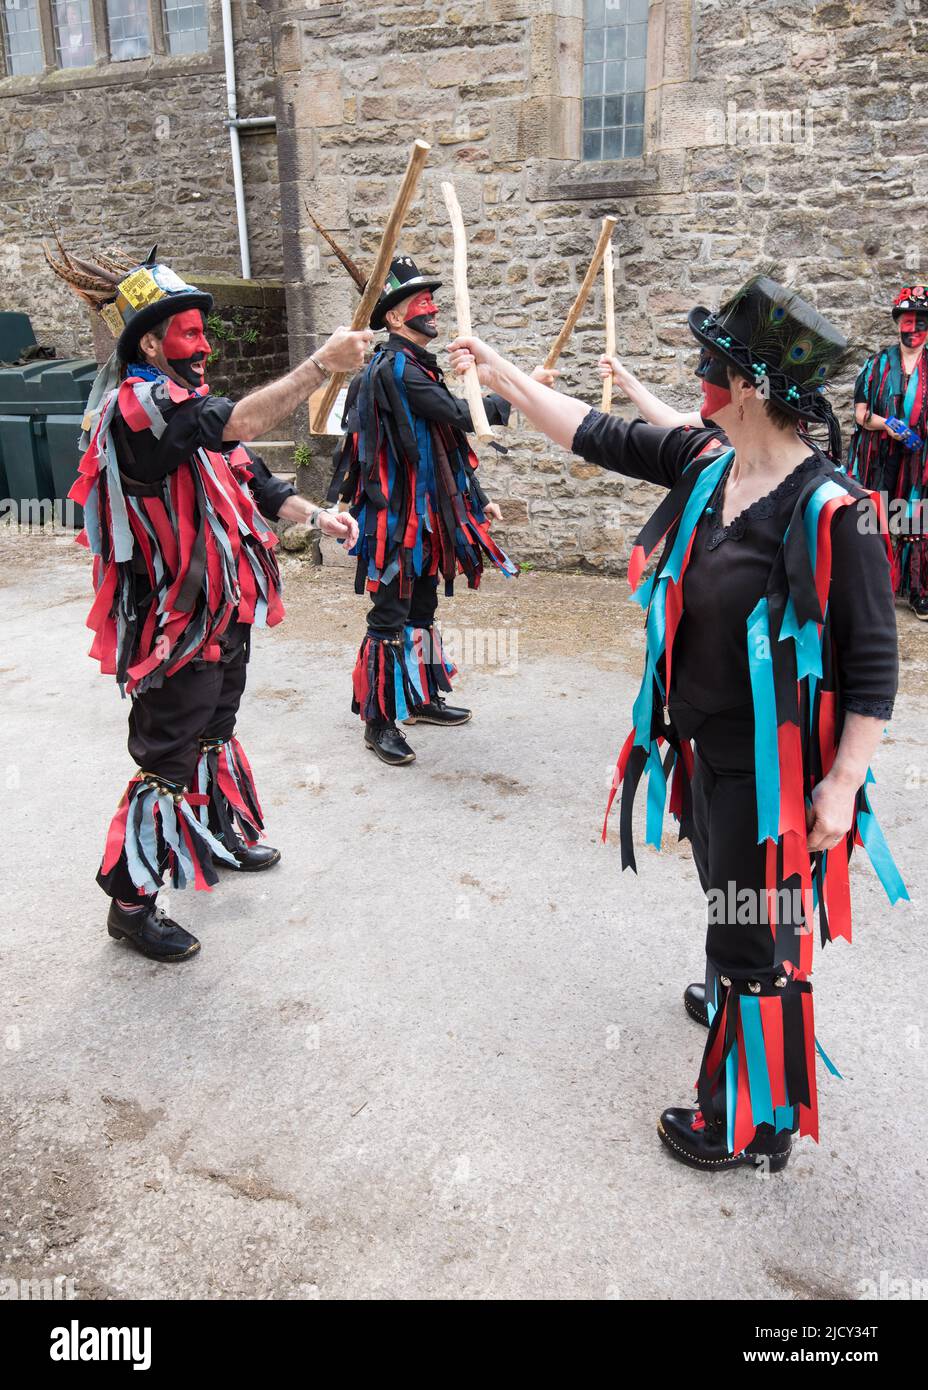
716 391
421 313
186 347
913 329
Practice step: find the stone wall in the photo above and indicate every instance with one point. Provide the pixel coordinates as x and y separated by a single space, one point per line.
831 196
130 153
247 330
778 134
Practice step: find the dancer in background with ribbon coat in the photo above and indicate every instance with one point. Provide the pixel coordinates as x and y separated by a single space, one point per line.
770 671
411 477
184 567
889 447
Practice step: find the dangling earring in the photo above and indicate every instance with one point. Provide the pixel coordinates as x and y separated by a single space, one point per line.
741 410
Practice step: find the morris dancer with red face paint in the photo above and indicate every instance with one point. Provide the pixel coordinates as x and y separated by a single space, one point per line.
411 477
889 448
776 607
184 567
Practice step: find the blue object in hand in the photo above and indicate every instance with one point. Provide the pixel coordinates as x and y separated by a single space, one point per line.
906 436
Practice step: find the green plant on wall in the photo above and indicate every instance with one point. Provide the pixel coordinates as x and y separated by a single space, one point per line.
302 457
228 330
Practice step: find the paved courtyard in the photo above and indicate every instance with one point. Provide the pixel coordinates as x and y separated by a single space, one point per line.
424 1057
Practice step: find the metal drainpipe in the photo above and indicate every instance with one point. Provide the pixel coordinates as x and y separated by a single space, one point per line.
235 124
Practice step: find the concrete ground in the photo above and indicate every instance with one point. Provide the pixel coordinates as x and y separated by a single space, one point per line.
424 1057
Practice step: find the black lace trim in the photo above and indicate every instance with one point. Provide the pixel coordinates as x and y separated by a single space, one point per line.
583 429
874 709
764 506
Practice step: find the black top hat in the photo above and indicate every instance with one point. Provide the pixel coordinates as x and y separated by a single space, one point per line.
146 296
767 331
405 279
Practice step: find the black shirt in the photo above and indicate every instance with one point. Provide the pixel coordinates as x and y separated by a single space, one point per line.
148 457
431 400
729 568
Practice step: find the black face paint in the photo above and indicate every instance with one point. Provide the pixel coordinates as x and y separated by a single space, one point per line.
913 329
712 369
716 389
184 367
423 325
421 313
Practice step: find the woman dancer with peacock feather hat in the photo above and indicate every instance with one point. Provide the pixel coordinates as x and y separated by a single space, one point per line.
770 671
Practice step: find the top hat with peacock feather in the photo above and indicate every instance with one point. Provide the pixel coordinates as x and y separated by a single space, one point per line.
130 296
403 280
767 333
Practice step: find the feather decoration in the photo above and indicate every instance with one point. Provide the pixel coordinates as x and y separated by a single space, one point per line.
780 339
92 280
357 275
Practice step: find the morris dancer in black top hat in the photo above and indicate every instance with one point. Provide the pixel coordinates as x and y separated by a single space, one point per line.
411 478
771 647
184 567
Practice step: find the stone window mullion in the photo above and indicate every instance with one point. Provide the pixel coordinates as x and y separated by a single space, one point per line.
101 42
159 43
47 27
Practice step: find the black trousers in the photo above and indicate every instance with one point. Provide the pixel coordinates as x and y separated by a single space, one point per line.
732 866
745 954
166 724
391 611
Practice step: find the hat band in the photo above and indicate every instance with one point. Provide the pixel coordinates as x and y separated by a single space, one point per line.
782 388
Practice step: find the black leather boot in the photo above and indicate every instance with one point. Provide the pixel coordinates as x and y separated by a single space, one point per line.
250 859
151 932
388 743
705 1147
694 1001
437 712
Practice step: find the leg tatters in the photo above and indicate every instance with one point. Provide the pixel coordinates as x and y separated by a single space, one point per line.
429 669
386 686
158 832
759 1063
224 779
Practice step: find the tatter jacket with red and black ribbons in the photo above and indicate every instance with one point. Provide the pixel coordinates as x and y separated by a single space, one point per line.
410 475
173 518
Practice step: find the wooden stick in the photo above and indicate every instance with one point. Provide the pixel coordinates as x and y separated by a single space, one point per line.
472 390
381 266
609 290
570 322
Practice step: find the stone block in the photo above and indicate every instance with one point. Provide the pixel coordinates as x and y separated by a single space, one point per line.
693 116
318 99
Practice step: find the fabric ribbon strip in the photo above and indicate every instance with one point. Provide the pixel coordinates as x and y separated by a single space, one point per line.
160 832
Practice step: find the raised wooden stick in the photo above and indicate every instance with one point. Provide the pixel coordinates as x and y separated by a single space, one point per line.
609 290
583 293
472 391
378 275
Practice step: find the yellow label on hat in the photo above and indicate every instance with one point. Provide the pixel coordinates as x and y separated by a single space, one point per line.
112 318
140 288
